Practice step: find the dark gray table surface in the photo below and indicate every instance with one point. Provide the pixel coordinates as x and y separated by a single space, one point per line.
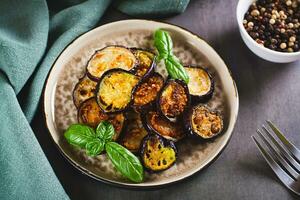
266 90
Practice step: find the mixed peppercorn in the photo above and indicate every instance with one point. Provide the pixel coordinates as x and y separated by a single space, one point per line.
274 24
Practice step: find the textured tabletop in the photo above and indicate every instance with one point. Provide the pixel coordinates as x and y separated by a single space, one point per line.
266 90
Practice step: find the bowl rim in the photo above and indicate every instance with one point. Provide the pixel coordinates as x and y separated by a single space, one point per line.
134 185
240 17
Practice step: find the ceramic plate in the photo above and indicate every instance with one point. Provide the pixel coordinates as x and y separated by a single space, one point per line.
60 111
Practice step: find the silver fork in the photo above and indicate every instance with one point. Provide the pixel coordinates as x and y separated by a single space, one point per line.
283 157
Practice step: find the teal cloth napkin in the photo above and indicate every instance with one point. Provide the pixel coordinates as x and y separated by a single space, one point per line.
151 8
31 37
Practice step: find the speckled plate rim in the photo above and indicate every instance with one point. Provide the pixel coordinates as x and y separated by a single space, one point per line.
53 75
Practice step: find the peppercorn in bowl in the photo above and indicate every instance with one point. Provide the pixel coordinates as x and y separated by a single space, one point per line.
271 28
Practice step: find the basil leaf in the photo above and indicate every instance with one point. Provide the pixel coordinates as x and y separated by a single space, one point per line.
163 43
79 135
125 162
105 131
164 46
175 69
94 147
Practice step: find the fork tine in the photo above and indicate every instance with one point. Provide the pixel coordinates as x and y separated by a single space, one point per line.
294 150
280 173
280 159
283 151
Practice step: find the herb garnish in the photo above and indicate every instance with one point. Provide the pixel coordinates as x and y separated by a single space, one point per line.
164 45
94 142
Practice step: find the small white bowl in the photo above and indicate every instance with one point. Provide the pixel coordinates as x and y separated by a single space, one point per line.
259 50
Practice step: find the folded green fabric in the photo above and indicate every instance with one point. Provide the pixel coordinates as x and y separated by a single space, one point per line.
151 8
31 37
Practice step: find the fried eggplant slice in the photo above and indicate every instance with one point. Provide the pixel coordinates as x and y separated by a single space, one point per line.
158 154
154 122
114 90
201 84
108 58
84 89
204 122
89 113
146 62
147 91
174 99
134 133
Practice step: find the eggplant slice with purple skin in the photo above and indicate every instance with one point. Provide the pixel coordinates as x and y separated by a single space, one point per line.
147 91
110 57
114 90
158 154
133 134
154 122
174 99
204 122
145 62
89 113
84 89
201 84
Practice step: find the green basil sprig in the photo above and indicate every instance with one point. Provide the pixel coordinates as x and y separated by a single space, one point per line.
94 142
105 131
164 45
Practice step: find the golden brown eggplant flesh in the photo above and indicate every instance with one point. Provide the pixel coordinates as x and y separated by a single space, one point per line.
89 113
174 99
204 122
145 62
147 91
114 90
201 84
133 133
110 57
84 89
154 122
157 154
